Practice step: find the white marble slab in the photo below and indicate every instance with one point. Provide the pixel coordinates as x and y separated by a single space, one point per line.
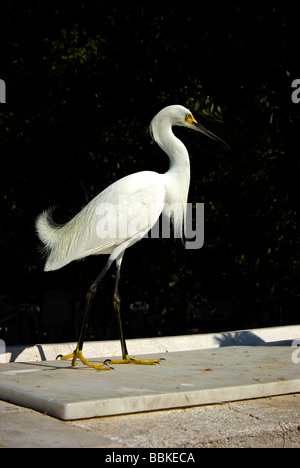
186 378
283 336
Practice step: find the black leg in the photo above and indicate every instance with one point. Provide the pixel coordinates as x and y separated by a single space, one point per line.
77 354
89 299
126 359
117 305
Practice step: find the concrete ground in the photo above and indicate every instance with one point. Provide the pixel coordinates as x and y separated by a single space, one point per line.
267 422
262 423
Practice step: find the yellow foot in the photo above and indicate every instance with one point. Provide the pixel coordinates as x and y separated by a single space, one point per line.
132 360
77 354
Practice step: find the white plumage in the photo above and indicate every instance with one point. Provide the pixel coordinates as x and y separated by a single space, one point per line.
141 196
121 215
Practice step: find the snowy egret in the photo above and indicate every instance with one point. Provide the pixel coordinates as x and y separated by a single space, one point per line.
121 215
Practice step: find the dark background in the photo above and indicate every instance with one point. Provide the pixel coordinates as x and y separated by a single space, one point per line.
83 81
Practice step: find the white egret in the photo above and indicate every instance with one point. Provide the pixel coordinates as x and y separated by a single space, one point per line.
127 210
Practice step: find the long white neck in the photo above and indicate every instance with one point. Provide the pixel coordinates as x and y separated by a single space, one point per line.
175 149
177 178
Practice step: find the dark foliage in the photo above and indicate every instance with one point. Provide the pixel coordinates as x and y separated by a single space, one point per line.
83 80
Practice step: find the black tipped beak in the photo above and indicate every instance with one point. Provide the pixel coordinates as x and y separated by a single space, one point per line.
199 128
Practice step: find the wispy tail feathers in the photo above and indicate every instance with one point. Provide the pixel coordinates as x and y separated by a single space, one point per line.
48 231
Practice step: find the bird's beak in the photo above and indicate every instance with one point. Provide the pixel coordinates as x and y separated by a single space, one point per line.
199 128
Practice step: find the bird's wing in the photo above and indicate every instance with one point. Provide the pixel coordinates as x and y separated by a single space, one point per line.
126 210
120 215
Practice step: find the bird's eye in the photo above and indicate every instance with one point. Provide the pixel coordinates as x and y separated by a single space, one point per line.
188 117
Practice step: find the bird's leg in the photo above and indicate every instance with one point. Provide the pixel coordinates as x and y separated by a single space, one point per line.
126 359
77 354
117 306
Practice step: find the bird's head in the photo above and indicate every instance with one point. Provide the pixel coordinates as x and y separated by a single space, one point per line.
181 116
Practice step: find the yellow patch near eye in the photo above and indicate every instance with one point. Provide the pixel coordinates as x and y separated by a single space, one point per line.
189 118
